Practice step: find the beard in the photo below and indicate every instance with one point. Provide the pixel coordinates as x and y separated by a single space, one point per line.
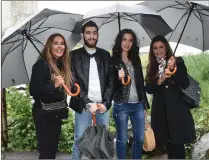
90 45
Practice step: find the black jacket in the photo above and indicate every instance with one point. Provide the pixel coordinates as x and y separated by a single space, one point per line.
41 86
121 92
80 61
170 116
43 90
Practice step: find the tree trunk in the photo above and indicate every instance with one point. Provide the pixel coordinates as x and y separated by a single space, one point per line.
4 130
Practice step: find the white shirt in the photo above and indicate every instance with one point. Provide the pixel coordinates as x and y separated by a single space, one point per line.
94 91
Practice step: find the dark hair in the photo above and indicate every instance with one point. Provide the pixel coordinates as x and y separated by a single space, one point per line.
152 67
89 24
133 54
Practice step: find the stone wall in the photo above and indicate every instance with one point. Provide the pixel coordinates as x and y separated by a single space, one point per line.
14 12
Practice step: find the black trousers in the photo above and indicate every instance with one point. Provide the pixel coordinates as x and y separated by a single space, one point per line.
175 151
48 132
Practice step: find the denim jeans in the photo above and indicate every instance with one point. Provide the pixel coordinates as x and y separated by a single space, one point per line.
121 112
82 122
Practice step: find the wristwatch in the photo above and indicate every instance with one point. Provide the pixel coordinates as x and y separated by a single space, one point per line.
88 105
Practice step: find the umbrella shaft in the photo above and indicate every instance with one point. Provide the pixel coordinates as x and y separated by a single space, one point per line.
184 26
28 37
119 22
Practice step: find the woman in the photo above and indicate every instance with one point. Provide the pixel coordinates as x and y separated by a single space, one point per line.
45 87
130 100
171 118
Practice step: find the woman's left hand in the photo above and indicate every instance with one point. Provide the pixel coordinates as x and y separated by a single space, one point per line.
172 62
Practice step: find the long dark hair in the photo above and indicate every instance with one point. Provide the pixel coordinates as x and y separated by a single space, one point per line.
133 54
152 67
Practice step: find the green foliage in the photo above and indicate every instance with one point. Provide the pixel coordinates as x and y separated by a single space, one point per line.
67 134
21 135
21 128
198 68
144 61
111 126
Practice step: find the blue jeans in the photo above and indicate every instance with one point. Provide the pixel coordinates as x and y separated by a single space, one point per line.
121 112
82 122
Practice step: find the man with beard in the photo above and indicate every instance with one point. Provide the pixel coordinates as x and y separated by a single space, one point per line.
91 69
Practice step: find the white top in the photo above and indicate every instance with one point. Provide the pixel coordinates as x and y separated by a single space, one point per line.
94 92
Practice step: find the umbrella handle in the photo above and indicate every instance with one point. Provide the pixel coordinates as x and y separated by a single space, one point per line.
127 82
94 117
70 93
171 72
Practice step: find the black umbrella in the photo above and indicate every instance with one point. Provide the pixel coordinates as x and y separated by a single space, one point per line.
145 22
189 21
22 43
97 142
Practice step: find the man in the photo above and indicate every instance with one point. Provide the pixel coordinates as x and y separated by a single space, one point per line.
91 69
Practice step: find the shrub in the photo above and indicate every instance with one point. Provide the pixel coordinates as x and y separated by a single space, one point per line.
21 128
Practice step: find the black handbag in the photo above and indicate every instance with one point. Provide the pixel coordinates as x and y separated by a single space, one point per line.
191 95
58 109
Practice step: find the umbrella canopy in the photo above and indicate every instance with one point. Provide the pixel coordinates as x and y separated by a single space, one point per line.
22 43
189 21
145 22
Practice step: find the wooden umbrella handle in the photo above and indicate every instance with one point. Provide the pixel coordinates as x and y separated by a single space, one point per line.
169 67
94 117
171 72
127 82
70 93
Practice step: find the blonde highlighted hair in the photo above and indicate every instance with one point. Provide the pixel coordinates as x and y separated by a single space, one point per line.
65 70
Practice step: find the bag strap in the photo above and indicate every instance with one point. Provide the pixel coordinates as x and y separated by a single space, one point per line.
65 99
147 124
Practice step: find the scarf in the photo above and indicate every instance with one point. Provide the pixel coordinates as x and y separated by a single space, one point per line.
161 67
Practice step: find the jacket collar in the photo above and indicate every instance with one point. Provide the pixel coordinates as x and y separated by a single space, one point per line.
90 55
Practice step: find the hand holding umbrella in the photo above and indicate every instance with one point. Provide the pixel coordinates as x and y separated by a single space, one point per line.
97 142
70 93
58 80
171 66
93 108
101 107
121 75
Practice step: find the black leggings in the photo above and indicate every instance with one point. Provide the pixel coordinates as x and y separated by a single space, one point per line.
47 133
175 151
